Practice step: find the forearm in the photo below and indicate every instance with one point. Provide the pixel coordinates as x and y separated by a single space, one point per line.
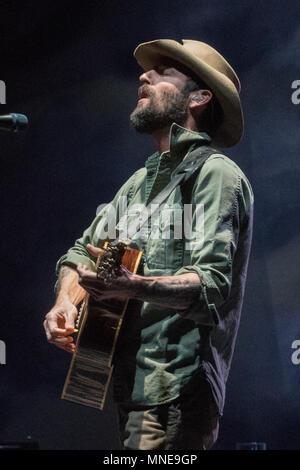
177 292
67 287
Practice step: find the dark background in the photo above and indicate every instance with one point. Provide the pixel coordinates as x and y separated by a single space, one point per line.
71 71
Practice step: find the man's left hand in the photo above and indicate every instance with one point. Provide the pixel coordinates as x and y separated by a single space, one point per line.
120 286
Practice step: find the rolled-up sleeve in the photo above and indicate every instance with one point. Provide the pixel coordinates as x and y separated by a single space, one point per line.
226 198
78 253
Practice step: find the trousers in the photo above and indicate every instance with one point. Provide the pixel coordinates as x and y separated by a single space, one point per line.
190 422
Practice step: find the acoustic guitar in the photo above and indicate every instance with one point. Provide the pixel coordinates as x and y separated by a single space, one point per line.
99 324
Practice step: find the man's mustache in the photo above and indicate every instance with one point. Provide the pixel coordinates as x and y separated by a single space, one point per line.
145 92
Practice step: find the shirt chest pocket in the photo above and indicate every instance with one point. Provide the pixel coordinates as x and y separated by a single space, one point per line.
165 242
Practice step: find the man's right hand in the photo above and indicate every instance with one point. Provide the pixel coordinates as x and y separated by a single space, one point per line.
59 325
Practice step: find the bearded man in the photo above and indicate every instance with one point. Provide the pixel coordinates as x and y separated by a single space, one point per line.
174 352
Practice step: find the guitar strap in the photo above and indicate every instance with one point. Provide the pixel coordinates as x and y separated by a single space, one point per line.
184 174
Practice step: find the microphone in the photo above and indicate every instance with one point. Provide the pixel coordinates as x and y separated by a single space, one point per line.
13 122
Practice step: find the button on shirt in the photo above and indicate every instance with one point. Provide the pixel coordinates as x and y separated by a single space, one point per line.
161 350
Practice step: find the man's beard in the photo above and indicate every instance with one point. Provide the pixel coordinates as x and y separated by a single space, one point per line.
172 107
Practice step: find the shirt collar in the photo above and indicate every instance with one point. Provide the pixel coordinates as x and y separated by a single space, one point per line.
182 141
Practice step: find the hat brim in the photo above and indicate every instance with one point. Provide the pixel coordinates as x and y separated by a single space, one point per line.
151 54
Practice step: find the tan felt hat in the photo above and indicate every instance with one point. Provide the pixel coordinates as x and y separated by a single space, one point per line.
211 67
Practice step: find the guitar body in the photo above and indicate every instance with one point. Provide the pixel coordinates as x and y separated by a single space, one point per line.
92 362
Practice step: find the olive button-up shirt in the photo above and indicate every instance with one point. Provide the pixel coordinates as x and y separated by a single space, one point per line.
160 350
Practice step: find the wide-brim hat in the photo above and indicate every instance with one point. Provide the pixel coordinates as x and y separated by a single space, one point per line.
211 67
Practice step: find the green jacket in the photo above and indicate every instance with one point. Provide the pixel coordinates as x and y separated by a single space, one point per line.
161 350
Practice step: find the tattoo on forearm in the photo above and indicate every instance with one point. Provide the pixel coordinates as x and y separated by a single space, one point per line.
173 292
64 272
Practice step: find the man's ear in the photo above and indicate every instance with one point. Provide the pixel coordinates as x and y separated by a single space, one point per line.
200 98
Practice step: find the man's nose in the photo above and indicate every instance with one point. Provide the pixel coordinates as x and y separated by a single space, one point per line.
147 77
